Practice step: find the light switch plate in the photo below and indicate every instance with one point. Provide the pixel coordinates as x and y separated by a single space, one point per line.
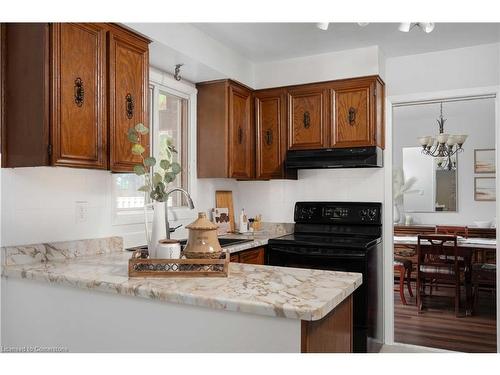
81 211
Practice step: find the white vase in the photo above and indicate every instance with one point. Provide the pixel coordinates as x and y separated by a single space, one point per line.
158 228
396 214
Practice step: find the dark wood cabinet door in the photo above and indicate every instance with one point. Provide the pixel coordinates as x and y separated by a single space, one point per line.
235 258
79 135
253 256
241 134
269 109
353 125
128 95
307 118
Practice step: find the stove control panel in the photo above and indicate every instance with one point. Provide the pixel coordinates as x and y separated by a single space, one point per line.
338 213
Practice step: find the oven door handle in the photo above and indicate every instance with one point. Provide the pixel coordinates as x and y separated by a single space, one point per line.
308 252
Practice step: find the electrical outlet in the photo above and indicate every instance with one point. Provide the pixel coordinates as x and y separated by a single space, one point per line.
81 211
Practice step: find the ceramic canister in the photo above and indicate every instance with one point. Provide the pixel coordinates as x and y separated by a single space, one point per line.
202 241
168 249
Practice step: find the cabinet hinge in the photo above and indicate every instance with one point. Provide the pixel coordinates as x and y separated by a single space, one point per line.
49 150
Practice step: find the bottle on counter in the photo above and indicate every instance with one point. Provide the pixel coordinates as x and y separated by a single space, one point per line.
243 224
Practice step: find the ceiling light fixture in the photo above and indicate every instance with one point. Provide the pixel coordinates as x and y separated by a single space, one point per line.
363 24
322 25
443 146
404 27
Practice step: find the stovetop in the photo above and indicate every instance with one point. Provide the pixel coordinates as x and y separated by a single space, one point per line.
332 241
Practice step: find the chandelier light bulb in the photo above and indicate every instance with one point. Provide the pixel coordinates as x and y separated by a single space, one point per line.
322 25
427 26
404 27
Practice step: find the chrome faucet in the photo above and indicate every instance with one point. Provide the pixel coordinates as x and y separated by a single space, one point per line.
190 204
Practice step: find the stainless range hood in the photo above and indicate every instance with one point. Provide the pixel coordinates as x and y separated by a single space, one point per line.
356 157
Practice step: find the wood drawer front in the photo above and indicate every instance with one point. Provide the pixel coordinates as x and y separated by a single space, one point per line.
129 83
307 128
268 114
79 132
240 133
253 256
235 258
352 123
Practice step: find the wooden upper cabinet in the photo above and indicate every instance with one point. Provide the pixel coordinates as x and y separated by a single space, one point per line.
241 133
128 95
357 115
62 99
270 129
79 132
225 130
308 123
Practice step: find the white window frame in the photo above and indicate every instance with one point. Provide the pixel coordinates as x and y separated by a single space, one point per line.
166 82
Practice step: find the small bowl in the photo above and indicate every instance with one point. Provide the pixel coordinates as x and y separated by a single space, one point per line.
483 224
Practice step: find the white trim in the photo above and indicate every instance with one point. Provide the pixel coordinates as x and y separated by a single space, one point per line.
388 212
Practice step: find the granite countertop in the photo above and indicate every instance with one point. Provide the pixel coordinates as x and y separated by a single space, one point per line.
101 265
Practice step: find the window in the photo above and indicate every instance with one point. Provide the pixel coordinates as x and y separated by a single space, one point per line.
169 119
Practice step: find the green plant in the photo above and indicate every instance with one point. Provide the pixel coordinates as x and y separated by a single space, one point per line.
156 182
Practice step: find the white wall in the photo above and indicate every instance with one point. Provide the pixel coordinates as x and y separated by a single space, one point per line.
475 118
38 205
323 67
460 68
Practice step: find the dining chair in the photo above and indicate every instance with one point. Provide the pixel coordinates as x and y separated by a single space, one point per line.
483 275
433 263
404 267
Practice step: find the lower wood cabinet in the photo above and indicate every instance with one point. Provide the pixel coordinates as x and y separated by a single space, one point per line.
252 256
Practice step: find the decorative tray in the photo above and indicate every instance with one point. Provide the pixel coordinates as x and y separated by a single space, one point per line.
144 267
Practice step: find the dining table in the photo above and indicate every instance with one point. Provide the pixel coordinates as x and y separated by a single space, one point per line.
466 247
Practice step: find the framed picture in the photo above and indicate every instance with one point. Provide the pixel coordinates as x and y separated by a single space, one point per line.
484 160
484 189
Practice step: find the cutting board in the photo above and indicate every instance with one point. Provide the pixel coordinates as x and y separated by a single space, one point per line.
224 199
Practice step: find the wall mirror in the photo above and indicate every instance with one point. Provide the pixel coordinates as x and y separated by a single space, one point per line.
434 188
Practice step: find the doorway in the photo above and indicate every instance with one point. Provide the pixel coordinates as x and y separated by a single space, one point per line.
453 189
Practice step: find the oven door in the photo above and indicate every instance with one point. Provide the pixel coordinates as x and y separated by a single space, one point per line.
338 260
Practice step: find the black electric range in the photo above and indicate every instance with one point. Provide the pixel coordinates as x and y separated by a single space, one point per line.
338 236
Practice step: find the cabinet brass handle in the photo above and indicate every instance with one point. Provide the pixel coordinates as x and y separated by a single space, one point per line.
269 137
240 135
129 105
307 120
79 92
352 116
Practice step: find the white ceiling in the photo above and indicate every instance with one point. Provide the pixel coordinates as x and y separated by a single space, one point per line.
262 42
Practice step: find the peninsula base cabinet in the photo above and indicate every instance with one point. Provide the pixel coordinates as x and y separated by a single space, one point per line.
66 87
97 319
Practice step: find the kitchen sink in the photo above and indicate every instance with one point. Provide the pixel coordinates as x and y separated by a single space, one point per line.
224 242
231 241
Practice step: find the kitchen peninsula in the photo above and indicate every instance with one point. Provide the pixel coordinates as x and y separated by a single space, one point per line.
77 295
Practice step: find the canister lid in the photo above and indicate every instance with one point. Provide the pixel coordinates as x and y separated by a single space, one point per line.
202 223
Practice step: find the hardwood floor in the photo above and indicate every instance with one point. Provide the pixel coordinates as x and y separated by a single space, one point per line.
437 326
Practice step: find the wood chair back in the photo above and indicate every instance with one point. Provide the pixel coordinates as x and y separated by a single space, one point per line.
436 251
454 230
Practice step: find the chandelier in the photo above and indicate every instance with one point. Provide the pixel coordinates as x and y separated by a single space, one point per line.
444 146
